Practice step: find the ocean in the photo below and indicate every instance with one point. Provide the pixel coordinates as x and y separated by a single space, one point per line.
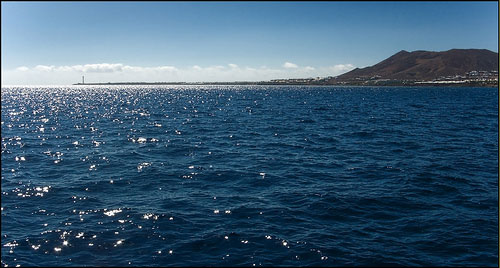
249 176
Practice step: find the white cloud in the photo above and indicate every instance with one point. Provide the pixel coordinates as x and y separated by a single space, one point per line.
92 68
342 68
102 68
167 68
217 67
290 65
117 72
44 68
137 69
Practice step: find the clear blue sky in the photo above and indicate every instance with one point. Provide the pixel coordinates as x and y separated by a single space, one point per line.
254 34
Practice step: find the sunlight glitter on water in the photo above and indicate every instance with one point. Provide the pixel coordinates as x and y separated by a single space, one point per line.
309 177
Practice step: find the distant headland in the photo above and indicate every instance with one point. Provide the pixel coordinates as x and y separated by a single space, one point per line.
457 67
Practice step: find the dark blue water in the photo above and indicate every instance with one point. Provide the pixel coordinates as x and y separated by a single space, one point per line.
243 176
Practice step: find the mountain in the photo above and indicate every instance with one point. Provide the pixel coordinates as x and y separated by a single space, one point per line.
426 65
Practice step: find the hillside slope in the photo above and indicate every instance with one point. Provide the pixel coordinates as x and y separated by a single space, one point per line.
427 65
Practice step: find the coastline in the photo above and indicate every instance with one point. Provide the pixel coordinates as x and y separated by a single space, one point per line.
405 84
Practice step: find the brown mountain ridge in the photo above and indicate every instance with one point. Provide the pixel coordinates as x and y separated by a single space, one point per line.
426 65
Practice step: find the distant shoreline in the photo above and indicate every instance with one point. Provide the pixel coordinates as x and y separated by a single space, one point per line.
407 84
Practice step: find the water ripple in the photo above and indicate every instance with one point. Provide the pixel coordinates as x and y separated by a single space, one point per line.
249 176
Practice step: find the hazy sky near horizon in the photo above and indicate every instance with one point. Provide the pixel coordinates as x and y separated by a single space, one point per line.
58 42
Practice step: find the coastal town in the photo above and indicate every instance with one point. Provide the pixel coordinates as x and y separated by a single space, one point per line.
480 78
472 78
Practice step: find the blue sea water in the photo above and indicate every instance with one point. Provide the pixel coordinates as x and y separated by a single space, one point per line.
249 176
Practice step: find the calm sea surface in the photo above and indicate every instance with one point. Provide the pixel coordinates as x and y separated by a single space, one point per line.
244 176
